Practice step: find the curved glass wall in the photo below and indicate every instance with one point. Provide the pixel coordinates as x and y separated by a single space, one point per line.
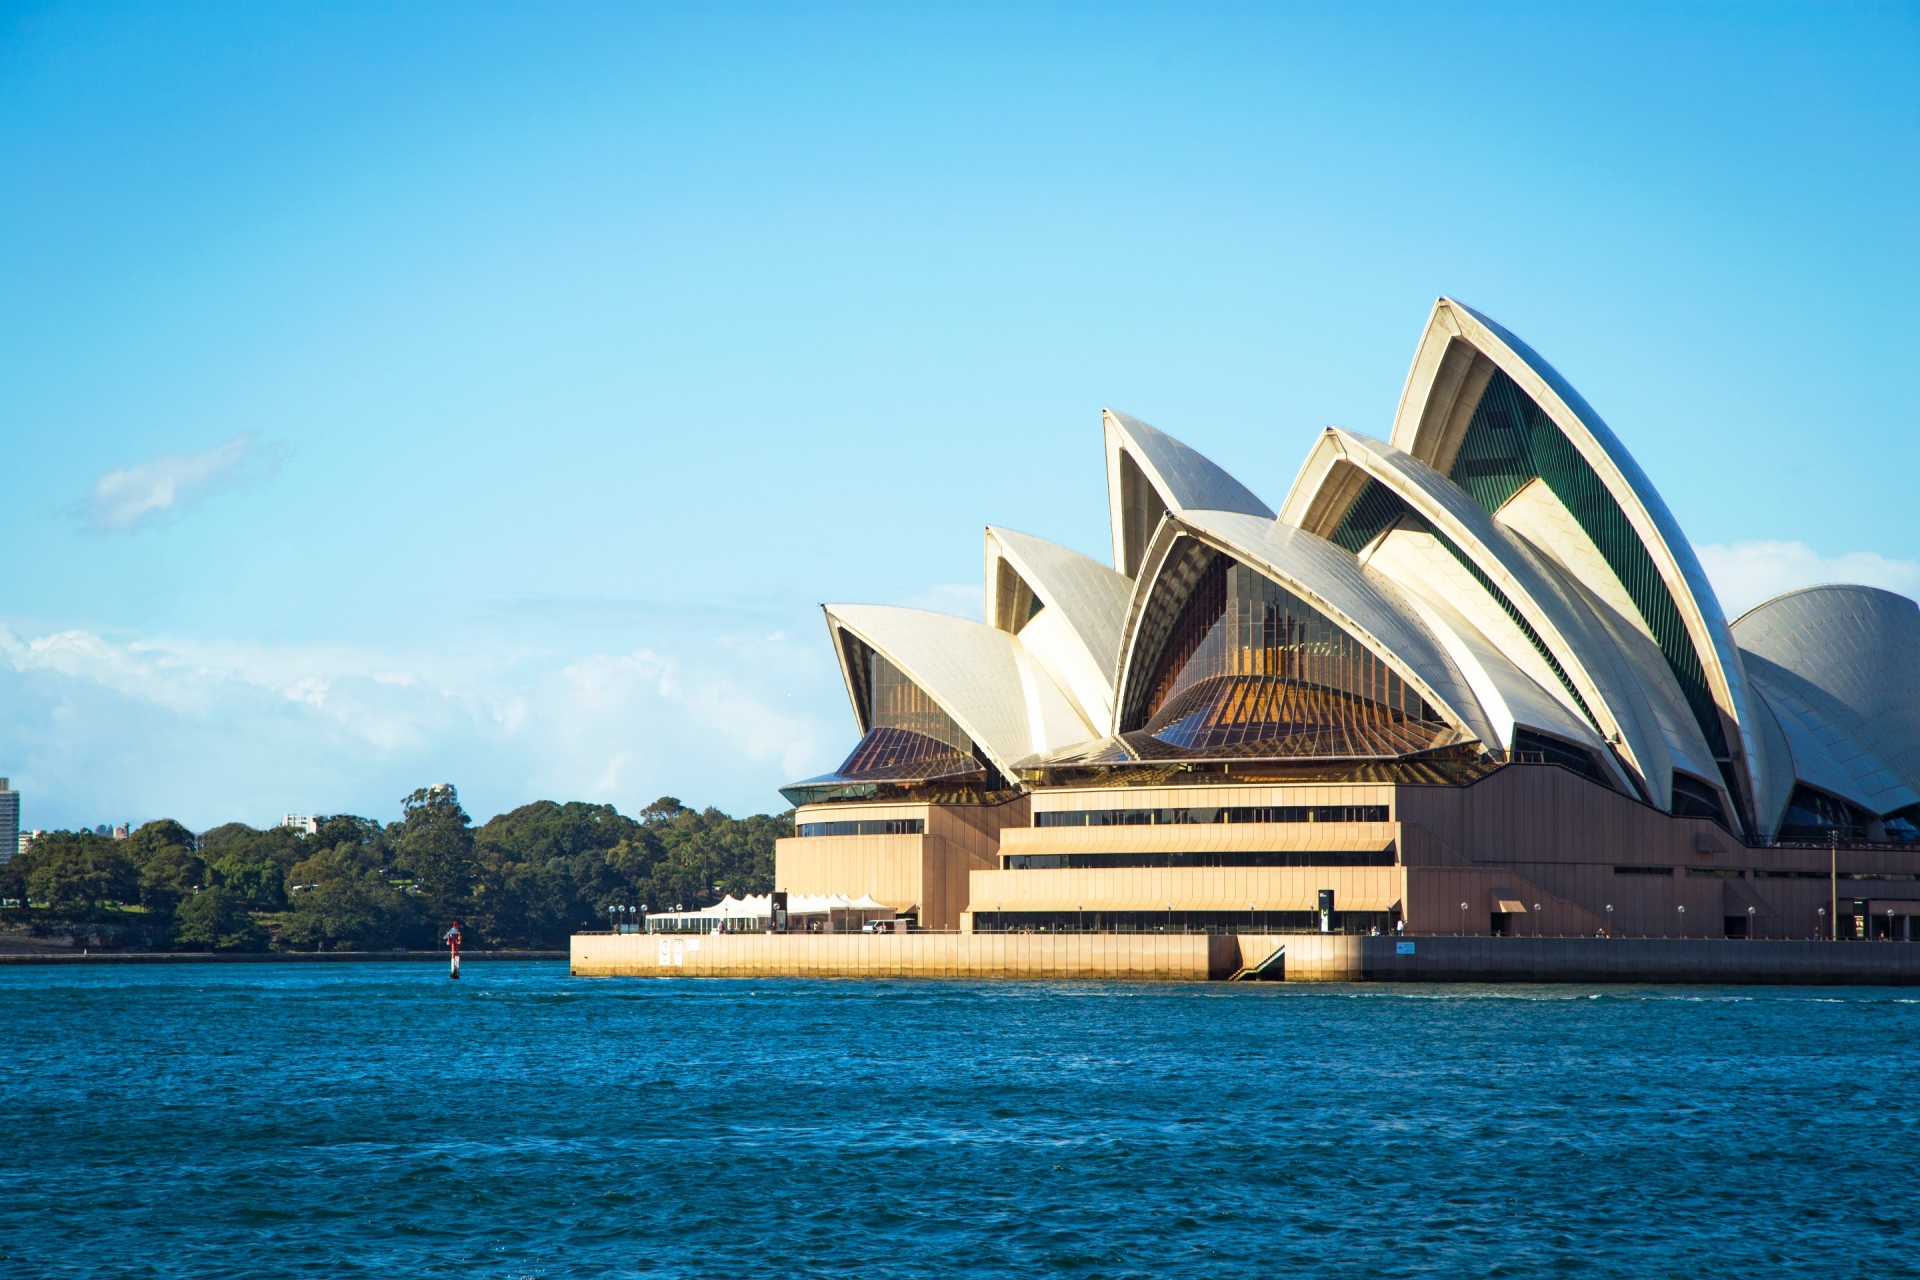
1903 825
1246 668
1693 798
911 742
1509 443
1815 816
1538 748
1378 507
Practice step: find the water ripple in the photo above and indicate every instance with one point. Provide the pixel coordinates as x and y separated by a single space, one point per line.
378 1120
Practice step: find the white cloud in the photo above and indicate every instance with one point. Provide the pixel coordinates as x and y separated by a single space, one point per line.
128 497
1745 574
206 732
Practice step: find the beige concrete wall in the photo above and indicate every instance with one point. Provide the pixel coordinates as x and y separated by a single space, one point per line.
1158 957
1188 889
888 867
925 871
1536 832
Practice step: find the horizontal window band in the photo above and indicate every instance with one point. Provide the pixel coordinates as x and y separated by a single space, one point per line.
1181 922
1729 873
1226 858
1196 816
867 827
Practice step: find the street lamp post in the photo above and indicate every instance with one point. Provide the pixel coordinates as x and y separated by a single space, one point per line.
1833 876
1609 919
1823 920
1536 919
1750 923
1463 919
1683 919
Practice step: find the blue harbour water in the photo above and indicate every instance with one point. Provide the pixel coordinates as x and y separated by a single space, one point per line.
378 1120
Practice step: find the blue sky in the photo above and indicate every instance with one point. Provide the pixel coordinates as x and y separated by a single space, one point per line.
394 394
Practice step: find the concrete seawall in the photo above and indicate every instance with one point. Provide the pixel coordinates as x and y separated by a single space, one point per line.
1200 957
1443 959
1169 957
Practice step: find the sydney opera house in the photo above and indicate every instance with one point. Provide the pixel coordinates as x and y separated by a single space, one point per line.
1468 679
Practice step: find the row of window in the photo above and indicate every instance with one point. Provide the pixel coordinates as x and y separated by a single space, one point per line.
867 827
1202 816
1180 922
1730 873
1231 858
1134 818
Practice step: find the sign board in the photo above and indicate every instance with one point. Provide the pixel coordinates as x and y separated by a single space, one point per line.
1403 948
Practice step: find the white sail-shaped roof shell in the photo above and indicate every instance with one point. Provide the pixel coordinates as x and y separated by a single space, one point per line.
1150 473
1076 634
1851 654
982 677
1618 671
1364 604
1503 621
1457 356
1437 587
1824 741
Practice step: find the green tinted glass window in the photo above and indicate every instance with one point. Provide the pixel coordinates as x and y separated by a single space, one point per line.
1509 443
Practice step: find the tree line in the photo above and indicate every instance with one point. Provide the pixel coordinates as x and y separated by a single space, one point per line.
528 878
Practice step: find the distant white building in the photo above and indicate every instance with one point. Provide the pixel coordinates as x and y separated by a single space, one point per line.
304 822
9 821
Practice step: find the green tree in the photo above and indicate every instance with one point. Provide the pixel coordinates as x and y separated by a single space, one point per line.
153 837
283 845
169 875
216 920
340 899
170 869
77 873
434 848
257 880
542 872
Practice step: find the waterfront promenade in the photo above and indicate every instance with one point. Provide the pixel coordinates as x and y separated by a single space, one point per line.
1176 957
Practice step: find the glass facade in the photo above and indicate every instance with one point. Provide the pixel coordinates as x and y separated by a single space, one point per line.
895 702
1540 749
1377 507
866 827
1143 511
1509 443
1372 512
1693 798
1197 815
1016 603
1179 922
1814 816
912 750
1248 668
1903 825
1246 858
